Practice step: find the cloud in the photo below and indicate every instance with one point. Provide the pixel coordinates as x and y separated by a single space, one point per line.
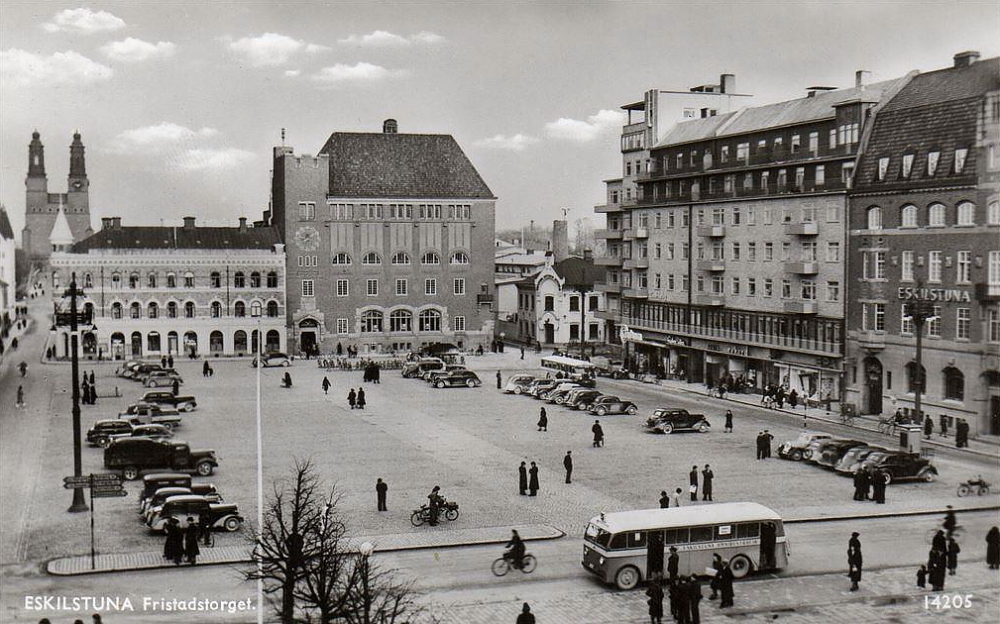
83 21
583 131
270 49
61 68
162 136
132 50
514 143
359 73
384 39
212 159
293 73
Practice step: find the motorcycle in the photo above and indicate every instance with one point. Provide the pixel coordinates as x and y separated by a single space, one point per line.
503 565
974 486
448 511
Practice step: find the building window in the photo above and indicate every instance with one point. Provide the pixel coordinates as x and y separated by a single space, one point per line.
430 321
808 290
795 144
785 252
848 134
907 165
880 265
932 162
734 285
215 280
239 309
341 258
966 213
874 218
883 168
963 266
574 303
150 280
371 259
371 287
809 251
239 280
833 252
786 289
459 257
307 211
934 267
906 266
768 252
752 251
215 309
879 310
272 309
993 272
135 310
934 323
800 178
550 303
847 174
371 322
908 216
963 323
343 288
833 291
820 175
960 155
400 321
116 310
832 138
814 143
459 285
768 287
430 286
430 259
954 384
994 325
171 310
307 288
402 287
936 215
189 309
255 277
736 251
458 322
752 286
401 258
905 321
342 326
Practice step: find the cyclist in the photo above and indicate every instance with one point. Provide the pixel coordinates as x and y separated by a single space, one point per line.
950 522
515 550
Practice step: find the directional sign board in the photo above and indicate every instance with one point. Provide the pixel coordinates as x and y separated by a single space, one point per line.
106 477
95 480
71 483
108 493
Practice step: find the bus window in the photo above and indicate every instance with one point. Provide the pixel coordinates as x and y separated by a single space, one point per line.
701 534
597 535
675 536
637 539
724 532
748 529
618 541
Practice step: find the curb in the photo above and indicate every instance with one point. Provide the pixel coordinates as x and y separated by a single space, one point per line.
898 514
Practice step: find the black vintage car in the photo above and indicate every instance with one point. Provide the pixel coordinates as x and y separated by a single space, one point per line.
901 466
100 434
132 455
217 515
581 399
666 420
609 404
458 378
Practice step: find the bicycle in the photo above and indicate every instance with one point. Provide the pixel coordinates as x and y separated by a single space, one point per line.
957 534
503 565
887 426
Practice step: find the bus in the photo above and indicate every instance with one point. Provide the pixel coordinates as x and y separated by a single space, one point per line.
571 368
615 544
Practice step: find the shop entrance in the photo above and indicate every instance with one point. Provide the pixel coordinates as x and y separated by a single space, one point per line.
873 386
550 333
696 366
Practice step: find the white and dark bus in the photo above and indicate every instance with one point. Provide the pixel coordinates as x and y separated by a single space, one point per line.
748 535
571 368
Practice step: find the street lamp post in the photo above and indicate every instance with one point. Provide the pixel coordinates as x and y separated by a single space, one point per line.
256 310
920 311
79 502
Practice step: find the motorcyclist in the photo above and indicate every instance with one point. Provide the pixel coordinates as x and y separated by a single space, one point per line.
515 550
950 522
436 500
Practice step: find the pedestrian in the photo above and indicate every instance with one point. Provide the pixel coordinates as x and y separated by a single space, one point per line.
543 420
526 616
326 384
854 560
163 361
23 367
729 421
760 445
533 480
286 381
855 575
693 483
381 489
936 566
922 577
170 360
714 584
725 577
177 386
857 485
944 426
694 596
993 548
20 397
766 442
793 399
91 378
878 486
175 541
85 391
568 465
961 433
352 398
673 561
706 483
522 353
96 619
768 542
522 478
953 550
866 484
361 398
598 434
499 386
191 533
682 603
204 369
939 541
677 497
654 599
928 427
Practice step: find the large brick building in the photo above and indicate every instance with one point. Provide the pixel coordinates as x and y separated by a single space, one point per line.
925 225
390 241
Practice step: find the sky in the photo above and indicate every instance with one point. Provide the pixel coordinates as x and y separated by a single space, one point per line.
180 103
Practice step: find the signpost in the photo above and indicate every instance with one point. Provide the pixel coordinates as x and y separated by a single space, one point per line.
101 485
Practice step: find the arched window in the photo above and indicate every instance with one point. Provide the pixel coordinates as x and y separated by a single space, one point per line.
954 384
913 380
342 258
88 310
116 280
430 259
966 213
216 309
151 280
171 280
172 309
88 280
189 280
371 258
255 280
116 310
189 309
153 310
153 341
55 280
240 341
239 280
240 309
400 321
935 215
215 342
430 321
908 216
874 218
215 279
993 213
272 279
371 322
459 257
135 310
272 309
401 258
133 280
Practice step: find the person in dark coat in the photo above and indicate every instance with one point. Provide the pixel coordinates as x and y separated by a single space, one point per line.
352 398
766 439
286 381
693 483
936 569
163 361
857 485
768 541
694 597
543 420
533 480
928 427
654 599
706 483
953 550
866 484
854 560
526 616
170 543
961 433
760 445
85 391
855 576
499 386
191 534
725 580
522 478
381 490
681 603
361 398
664 500
326 385
714 584
91 378
204 369
793 399
922 577
672 563
939 541
170 361
176 387
878 486
598 434
993 548
568 465
729 421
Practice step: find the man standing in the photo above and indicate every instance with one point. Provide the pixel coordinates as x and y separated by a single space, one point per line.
664 500
672 563
854 560
177 387
694 597
928 427
729 421
598 434
326 384
361 398
543 420
725 586
765 442
693 483
760 445
499 381
533 480
434 501
381 489
568 465
170 361
191 550
706 483
522 478
352 398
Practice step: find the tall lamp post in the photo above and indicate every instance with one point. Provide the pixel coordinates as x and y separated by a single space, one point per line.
79 502
920 311
256 311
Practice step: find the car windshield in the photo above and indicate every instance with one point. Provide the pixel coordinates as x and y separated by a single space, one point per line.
597 535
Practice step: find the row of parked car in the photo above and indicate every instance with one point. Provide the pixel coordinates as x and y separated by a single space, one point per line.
847 456
149 374
440 374
167 495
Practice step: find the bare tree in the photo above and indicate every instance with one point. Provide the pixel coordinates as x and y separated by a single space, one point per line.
378 597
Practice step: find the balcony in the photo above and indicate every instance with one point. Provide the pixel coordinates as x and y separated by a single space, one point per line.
608 315
801 307
712 231
713 266
986 293
636 293
802 229
802 268
641 232
604 208
484 298
710 300
608 234
870 340
611 261
635 263
608 287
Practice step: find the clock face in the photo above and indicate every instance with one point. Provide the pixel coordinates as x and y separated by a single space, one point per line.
307 238
78 184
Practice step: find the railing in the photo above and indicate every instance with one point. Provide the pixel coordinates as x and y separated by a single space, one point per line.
801 307
484 298
712 265
636 293
775 341
712 231
710 299
802 268
802 229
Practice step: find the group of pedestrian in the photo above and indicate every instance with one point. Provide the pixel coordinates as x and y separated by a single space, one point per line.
357 399
764 444
167 361
207 370
942 561
961 433
707 477
869 485
775 396
373 373
182 543
527 478
684 596
88 389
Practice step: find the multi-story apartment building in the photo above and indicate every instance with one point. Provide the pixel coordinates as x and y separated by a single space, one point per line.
8 272
187 290
390 243
559 305
925 230
732 260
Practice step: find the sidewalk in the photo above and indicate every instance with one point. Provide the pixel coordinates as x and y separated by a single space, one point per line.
445 538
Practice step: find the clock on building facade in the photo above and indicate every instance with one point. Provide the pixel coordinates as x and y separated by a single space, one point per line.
307 238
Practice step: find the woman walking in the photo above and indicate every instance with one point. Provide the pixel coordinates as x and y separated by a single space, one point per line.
729 421
361 398
191 534
352 398
326 386
543 420
993 548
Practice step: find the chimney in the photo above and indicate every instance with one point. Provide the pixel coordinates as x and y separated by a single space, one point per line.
107 223
560 240
964 59
116 223
588 253
243 224
861 77
389 126
188 223
727 83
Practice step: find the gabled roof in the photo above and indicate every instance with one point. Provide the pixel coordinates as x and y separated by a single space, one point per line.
432 166
61 234
578 272
948 84
6 231
160 237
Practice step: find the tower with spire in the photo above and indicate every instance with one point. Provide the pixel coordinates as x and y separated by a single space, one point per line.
44 210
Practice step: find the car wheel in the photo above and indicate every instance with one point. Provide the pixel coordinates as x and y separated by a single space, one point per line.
740 566
150 384
927 475
204 468
632 410
104 442
807 454
168 426
703 428
130 473
601 411
796 455
888 478
439 384
232 524
517 390
627 578
471 383
668 427
286 363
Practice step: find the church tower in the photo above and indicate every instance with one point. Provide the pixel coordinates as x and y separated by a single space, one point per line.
42 207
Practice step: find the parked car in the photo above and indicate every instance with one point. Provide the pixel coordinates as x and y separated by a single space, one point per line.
581 399
852 459
160 496
871 460
132 455
518 384
102 430
421 366
829 454
125 370
812 451
220 515
150 414
609 404
900 466
161 379
156 480
666 420
152 432
562 386
458 378
272 358
142 369
539 386
559 397
432 375
793 449
166 398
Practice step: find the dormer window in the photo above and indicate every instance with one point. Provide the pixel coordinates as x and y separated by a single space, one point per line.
960 155
883 167
907 165
932 162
